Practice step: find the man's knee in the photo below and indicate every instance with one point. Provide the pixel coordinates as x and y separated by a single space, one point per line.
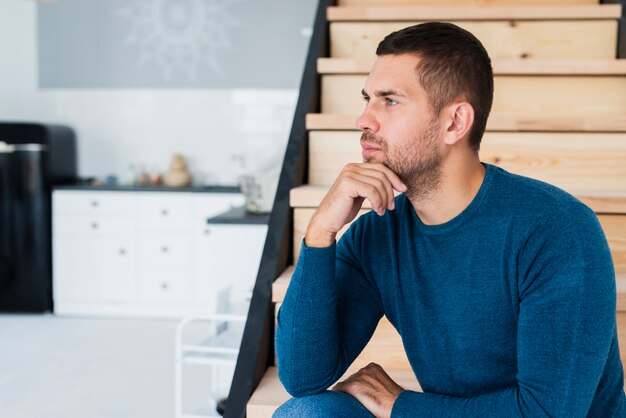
324 405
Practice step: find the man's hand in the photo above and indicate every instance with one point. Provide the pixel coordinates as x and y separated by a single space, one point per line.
373 388
356 182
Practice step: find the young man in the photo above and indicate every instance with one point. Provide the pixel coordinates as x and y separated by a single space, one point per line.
502 287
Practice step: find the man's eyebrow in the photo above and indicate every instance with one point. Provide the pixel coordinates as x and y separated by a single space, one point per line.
383 93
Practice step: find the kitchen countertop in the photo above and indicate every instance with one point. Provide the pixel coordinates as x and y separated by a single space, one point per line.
119 188
240 216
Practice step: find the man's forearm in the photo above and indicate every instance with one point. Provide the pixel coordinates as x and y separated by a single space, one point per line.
307 341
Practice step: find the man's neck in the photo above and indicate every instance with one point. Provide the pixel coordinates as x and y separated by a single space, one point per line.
459 183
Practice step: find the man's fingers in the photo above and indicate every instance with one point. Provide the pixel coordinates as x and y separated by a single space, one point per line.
386 183
393 177
357 169
373 188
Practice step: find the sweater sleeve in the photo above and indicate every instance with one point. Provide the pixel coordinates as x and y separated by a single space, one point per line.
328 315
566 324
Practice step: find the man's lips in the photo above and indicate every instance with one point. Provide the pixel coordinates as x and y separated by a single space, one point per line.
369 147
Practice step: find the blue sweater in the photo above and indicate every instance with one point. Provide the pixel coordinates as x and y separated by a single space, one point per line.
506 310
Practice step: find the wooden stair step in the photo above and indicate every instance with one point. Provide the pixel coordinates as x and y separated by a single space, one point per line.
571 161
364 3
500 66
308 196
301 219
486 12
522 39
520 95
270 393
620 287
505 123
281 284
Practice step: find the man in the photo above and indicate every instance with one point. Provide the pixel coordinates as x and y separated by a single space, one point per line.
502 287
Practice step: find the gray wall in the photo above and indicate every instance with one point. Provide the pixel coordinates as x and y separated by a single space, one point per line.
172 43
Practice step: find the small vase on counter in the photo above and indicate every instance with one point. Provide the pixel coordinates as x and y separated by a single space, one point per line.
178 174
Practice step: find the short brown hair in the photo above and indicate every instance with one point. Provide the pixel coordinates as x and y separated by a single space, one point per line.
453 64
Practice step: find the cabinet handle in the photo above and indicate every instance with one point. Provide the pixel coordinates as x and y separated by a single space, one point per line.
164 249
122 251
164 212
164 285
207 232
94 225
94 203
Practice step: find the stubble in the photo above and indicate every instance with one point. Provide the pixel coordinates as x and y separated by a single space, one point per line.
416 162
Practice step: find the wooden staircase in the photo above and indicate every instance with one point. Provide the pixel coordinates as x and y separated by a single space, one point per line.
559 115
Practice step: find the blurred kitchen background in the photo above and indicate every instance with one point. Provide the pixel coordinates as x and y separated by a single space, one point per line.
140 143
139 80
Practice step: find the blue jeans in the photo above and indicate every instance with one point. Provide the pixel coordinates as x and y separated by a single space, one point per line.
327 404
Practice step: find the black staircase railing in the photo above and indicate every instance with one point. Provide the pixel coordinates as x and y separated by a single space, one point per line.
621 28
257 346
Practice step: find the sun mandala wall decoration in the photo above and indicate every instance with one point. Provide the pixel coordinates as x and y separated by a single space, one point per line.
184 36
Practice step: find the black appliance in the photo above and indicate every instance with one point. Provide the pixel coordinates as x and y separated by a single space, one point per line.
33 157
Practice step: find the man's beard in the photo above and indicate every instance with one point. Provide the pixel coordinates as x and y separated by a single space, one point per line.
416 163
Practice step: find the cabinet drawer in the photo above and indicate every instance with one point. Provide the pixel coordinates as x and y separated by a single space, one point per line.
165 285
93 226
166 250
165 211
87 203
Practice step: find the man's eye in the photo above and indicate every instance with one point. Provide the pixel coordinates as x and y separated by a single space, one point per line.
391 102
366 99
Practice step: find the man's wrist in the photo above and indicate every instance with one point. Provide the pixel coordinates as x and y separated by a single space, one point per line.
395 401
318 238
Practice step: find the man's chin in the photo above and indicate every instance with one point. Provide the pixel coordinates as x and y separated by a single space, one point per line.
377 160
373 160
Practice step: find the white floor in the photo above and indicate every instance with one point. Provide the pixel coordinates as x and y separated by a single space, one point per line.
97 368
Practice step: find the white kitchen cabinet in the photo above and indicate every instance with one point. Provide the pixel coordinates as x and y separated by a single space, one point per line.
166 211
115 269
100 269
166 287
165 250
93 247
74 275
139 253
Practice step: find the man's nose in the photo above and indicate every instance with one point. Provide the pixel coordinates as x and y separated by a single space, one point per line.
367 121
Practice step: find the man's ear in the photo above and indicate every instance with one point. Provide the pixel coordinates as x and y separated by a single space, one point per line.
459 121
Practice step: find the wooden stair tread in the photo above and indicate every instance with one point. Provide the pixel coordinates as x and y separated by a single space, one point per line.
620 285
387 3
330 121
496 12
588 161
500 66
270 393
309 196
280 285
535 96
